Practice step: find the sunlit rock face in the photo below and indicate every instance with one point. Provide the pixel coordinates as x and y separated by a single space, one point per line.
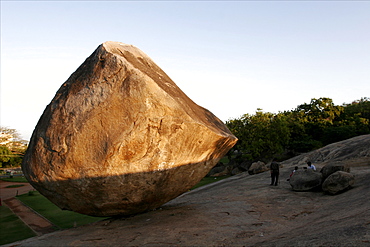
120 137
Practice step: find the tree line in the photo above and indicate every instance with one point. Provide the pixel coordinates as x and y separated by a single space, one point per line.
266 135
12 148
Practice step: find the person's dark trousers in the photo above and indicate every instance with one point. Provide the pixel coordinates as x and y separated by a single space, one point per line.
274 178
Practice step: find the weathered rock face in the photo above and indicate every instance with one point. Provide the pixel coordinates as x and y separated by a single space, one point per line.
120 137
337 182
305 180
355 149
331 168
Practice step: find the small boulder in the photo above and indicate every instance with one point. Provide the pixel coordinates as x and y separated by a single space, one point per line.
338 182
244 166
236 171
257 167
226 171
331 168
305 180
217 170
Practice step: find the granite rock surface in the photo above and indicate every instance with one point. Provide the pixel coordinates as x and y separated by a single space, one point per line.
338 182
120 137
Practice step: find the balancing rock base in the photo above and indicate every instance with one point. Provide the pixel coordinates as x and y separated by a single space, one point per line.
120 137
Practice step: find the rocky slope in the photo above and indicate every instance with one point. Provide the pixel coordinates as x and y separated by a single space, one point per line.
244 210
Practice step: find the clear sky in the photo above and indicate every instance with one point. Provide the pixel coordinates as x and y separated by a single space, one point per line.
230 57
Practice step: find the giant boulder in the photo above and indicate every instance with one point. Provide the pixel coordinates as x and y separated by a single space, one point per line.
120 137
305 180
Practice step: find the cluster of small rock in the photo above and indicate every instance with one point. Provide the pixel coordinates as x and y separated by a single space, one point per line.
234 167
333 178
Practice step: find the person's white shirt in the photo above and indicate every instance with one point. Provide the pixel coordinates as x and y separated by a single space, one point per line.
312 167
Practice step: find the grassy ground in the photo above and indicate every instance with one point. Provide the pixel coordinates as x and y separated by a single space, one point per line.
12 228
208 180
17 179
224 160
61 218
15 186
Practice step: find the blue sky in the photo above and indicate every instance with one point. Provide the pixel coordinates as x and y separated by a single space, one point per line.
230 57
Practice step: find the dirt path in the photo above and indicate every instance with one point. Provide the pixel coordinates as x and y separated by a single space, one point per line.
6 193
36 222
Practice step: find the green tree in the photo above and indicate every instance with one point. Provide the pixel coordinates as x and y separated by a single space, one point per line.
359 107
261 136
9 136
308 127
320 110
317 116
353 121
5 155
12 147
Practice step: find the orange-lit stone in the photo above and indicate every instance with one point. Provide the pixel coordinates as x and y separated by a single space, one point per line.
120 137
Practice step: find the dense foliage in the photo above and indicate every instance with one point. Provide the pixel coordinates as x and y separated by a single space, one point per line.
12 148
266 135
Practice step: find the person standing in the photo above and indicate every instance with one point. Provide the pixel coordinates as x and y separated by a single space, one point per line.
274 170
